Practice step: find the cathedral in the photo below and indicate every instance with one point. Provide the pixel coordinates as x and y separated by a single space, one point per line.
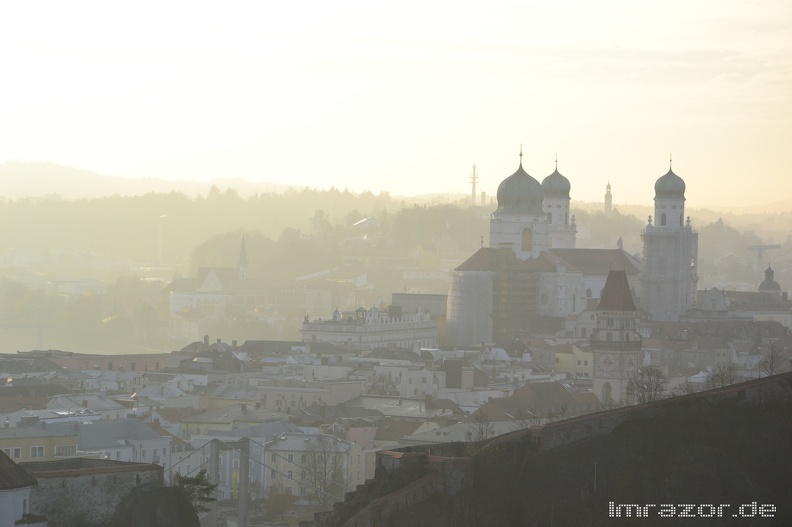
532 277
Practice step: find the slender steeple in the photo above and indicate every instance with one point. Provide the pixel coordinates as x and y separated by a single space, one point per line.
608 199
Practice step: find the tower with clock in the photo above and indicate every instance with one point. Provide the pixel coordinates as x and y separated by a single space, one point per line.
615 341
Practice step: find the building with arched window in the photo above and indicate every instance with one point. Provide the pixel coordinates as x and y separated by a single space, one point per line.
532 278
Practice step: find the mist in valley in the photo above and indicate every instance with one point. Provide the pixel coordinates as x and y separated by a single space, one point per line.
94 274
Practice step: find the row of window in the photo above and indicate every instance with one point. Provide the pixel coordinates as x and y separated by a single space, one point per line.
39 451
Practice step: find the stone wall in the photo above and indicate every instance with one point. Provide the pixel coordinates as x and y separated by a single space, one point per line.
82 491
446 470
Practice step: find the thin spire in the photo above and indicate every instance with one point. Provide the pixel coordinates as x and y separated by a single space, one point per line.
670 161
556 163
520 154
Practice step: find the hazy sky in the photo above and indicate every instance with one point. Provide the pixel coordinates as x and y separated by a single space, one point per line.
406 97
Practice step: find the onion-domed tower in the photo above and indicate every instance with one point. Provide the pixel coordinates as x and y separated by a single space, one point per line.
556 205
669 273
519 222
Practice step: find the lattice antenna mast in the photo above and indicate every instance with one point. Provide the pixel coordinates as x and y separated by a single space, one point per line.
473 181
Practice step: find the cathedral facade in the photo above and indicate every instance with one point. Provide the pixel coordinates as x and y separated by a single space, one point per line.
532 276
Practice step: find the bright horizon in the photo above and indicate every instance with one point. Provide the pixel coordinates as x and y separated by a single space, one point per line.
368 97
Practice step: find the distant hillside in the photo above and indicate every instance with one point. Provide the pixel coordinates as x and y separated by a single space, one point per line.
49 180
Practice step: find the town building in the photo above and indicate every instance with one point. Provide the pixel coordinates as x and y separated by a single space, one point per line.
320 467
15 487
616 342
370 329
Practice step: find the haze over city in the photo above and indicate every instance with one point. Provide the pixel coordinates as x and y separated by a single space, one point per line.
281 264
407 98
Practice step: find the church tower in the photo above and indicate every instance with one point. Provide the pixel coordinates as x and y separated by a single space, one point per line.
669 273
562 228
520 223
615 342
608 199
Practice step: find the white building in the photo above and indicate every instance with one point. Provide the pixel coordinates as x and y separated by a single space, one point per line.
15 488
370 329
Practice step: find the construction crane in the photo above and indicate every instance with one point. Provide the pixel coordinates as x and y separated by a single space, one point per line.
760 249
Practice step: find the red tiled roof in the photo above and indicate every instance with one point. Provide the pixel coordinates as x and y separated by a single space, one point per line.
616 295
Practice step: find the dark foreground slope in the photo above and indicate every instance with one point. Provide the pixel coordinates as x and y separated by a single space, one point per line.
716 458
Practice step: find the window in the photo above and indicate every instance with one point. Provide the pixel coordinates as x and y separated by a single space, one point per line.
273 457
527 240
578 362
302 474
291 458
17 452
585 363
273 474
289 474
7 451
288 490
303 458
302 490
66 450
236 463
37 451
118 455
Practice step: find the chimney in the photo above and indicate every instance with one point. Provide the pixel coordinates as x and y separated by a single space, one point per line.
219 341
234 343
206 340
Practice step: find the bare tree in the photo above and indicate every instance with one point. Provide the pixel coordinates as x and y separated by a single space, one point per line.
480 429
384 384
774 362
723 375
556 414
324 467
523 419
647 384
687 388
279 499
